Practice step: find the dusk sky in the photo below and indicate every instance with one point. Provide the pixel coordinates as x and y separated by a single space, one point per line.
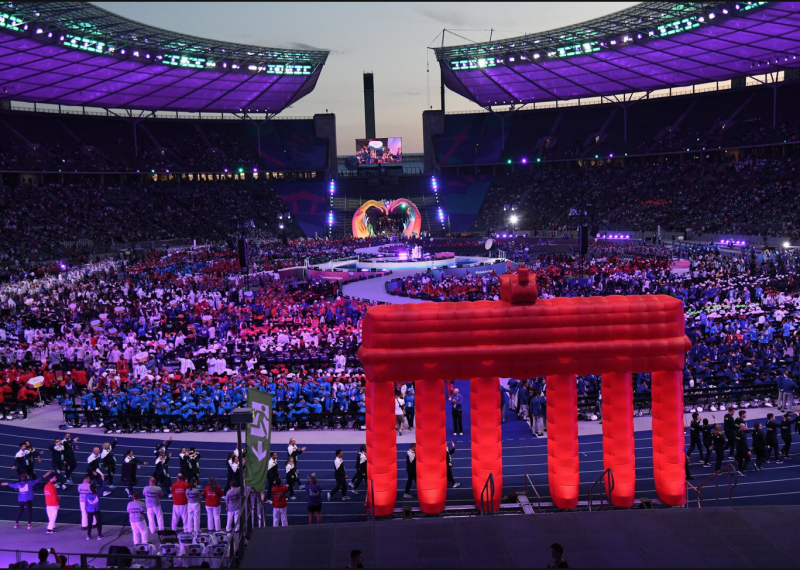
389 39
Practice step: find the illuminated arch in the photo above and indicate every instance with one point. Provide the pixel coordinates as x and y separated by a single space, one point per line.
360 229
414 224
412 227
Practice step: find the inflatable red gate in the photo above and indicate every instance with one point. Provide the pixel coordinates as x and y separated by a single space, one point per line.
518 337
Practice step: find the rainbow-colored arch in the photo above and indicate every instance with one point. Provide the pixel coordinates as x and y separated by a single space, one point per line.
411 229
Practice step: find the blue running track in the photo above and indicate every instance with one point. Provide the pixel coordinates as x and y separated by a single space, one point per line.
776 485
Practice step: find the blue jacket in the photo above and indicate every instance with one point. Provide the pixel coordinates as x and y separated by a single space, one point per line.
92 503
535 406
25 489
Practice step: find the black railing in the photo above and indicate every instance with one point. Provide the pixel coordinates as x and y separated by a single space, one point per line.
535 492
370 502
605 492
121 559
731 473
697 491
487 496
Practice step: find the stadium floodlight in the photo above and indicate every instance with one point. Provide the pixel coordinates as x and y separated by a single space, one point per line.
787 245
514 219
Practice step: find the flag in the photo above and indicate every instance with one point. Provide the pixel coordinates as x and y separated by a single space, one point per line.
259 433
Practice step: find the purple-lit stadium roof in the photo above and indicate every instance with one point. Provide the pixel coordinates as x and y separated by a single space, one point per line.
73 53
654 45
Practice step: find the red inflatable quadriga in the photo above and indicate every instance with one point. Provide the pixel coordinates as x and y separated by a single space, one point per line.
522 337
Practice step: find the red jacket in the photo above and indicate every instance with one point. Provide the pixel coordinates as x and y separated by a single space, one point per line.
279 496
81 379
212 496
179 493
51 495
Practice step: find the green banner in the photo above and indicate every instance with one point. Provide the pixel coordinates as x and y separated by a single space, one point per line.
715 308
259 433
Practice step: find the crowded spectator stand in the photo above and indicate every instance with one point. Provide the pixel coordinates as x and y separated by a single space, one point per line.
742 315
172 342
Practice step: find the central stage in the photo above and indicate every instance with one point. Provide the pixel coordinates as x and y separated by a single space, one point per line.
748 537
372 260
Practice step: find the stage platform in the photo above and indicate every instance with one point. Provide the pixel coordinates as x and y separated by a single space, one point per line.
375 289
748 537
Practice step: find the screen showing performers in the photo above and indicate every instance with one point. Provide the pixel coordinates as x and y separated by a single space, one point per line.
379 151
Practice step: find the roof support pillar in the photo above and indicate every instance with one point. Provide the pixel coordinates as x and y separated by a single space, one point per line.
774 102
133 121
441 75
625 105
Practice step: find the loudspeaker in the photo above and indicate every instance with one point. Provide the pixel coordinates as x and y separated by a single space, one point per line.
584 235
168 536
241 416
119 562
242 253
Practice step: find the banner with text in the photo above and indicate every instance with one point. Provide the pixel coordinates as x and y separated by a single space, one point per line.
259 433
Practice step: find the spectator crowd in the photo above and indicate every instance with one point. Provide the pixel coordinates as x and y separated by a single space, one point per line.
753 196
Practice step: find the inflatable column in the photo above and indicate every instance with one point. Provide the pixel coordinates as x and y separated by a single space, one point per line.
563 468
487 436
430 427
669 453
381 447
618 443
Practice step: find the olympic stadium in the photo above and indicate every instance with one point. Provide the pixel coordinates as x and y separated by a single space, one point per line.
562 331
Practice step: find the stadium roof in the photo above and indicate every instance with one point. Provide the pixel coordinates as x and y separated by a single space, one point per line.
653 45
74 53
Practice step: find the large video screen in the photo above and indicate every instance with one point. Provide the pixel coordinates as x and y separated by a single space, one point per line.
379 151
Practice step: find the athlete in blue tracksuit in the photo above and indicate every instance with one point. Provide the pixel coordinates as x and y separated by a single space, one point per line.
25 497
